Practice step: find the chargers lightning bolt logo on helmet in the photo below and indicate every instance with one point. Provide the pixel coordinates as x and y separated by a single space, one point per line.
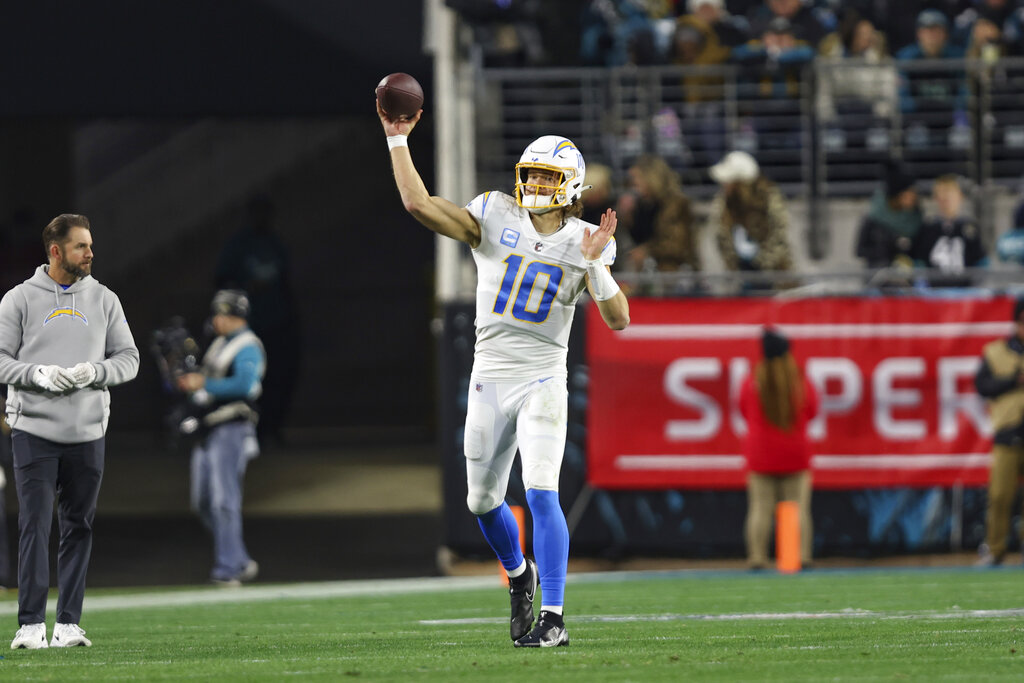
560 156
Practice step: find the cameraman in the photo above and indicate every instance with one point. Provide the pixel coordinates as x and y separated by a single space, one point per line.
225 390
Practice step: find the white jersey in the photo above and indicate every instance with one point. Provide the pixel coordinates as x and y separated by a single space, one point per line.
526 293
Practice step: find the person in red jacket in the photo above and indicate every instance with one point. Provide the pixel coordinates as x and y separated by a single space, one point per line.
777 402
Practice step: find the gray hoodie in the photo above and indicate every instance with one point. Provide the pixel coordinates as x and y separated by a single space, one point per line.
43 324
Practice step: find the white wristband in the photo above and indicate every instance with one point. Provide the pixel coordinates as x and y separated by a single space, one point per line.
398 141
601 281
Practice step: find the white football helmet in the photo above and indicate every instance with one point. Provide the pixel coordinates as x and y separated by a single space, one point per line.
550 153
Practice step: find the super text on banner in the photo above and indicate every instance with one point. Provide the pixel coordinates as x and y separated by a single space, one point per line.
895 377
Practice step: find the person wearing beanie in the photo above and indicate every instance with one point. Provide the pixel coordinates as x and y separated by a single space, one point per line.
777 401
224 392
1000 381
934 99
887 231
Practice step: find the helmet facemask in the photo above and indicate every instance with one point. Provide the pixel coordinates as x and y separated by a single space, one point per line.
540 198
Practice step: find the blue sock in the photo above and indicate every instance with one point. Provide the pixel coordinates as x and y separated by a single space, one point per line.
502 533
550 544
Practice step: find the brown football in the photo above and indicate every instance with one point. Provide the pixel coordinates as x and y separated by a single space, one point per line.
400 96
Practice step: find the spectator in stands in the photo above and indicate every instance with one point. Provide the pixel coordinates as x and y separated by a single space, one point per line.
932 39
777 58
710 16
657 216
777 401
1000 380
896 18
893 221
932 100
617 32
991 15
749 217
864 86
601 195
986 41
950 241
1010 245
705 37
810 24
523 34
770 84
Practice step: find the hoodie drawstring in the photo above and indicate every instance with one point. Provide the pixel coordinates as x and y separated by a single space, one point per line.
56 299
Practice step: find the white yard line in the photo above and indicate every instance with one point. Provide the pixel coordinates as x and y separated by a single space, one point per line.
384 587
756 616
214 596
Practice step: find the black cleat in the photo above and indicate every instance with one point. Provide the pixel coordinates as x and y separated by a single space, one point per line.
521 591
549 632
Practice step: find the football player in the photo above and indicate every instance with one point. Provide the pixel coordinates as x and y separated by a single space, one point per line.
534 257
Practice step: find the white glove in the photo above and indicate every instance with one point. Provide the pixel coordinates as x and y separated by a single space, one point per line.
53 378
82 374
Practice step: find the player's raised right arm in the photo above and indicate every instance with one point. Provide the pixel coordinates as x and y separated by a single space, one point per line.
437 213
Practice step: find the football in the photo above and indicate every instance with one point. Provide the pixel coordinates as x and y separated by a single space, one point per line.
400 96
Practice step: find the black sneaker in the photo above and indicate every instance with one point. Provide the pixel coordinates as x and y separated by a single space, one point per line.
549 632
521 591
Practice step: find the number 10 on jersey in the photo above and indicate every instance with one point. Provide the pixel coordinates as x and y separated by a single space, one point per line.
513 264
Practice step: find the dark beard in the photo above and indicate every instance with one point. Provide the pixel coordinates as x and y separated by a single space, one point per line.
77 272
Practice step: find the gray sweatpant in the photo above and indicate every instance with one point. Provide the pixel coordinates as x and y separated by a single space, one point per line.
71 473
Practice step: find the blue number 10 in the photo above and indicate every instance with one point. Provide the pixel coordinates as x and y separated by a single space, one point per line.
522 298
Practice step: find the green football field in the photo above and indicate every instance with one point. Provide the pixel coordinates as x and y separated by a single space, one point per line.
927 624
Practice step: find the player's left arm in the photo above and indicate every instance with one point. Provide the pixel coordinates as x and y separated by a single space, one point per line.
602 286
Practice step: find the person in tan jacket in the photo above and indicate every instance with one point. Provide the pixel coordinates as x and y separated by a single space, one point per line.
658 218
1000 380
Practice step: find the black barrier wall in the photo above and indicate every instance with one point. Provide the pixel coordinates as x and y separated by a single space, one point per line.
683 523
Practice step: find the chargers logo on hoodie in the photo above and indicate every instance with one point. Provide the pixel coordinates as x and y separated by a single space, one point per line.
69 312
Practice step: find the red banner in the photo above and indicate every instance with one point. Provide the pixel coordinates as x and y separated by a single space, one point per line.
895 376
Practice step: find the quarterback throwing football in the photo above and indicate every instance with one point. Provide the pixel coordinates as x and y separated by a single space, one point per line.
534 257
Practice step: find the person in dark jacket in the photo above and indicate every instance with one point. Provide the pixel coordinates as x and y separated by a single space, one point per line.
1000 380
887 232
777 401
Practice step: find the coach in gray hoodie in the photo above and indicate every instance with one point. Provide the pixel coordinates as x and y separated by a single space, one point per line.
63 340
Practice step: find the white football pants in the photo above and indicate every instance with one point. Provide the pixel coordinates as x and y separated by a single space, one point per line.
501 416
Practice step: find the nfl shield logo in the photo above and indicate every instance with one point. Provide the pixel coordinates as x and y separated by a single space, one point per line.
479 387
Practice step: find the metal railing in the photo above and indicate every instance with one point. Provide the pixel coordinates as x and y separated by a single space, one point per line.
820 132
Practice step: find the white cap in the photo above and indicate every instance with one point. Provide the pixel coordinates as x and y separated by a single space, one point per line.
693 5
735 167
